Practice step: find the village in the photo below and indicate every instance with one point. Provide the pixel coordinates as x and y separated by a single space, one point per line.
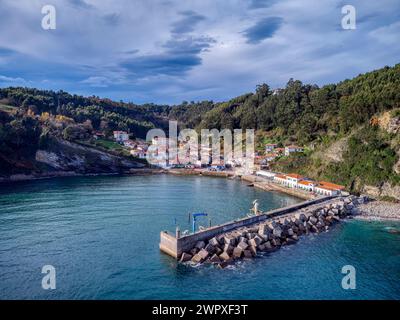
188 160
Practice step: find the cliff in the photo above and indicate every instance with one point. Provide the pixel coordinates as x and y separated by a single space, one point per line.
63 158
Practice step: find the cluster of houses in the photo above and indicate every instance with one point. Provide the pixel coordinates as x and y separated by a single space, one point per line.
294 180
272 151
137 149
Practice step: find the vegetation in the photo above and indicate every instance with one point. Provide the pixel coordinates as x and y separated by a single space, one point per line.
305 114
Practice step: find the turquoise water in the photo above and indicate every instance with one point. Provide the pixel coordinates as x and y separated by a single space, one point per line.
102 233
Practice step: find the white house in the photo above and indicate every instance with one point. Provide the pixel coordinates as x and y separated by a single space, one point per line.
266 174
307 185
328 189
292 149
280 178
121 136
293 179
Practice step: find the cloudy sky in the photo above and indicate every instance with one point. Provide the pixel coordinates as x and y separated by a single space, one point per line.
168 51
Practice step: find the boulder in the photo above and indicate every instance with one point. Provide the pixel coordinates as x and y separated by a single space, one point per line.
203 253
200 245
312 220
215 259
213 241
253 250
267 245
290 232
229 240
242 245
247 254
263 229
276 242
185 257
197 258
300 216
228 249
218 250
224 256
335 211
210 248
256 241
237 253
277 232
261 247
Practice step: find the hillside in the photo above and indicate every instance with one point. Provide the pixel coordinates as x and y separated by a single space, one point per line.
349 129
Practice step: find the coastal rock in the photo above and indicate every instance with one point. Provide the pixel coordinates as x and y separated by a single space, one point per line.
215 259
209 248
224 256
218 250
229 240
228 249
185 257
213 241
242 245
200 245
237 253
253 250
313 220
197 258
277 232
247 254
203 253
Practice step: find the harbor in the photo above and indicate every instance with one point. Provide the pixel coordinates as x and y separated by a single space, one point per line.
264 231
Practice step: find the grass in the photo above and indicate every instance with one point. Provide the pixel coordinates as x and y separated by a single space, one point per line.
108 144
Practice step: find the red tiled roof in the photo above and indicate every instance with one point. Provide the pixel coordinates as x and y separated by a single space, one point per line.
295 175
331 186
306 183
281 176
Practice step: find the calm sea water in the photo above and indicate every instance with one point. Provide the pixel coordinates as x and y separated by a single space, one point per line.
102 233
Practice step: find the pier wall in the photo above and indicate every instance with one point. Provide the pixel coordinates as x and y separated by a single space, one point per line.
175 247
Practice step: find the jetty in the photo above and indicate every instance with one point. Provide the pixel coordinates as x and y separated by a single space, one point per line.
267 231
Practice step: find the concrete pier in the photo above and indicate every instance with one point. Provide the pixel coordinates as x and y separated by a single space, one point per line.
174 247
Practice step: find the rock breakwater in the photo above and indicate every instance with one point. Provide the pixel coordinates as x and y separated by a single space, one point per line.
271 234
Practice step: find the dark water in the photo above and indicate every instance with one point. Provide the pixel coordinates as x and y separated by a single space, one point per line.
101 234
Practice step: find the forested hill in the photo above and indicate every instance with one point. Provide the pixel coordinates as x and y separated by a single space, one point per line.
353 121
303 112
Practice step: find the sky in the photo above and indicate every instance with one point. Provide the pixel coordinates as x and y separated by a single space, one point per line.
169 51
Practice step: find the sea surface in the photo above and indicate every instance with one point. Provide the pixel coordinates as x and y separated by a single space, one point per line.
101 234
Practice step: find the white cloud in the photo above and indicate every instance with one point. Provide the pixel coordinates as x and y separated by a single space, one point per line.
118 47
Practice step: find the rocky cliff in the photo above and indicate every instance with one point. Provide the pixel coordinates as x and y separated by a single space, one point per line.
63 158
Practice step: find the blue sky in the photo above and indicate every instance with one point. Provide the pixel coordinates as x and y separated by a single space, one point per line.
169 51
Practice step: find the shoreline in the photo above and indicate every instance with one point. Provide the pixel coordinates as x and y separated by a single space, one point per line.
375 210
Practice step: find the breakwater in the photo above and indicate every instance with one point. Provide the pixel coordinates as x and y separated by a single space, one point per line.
243 238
